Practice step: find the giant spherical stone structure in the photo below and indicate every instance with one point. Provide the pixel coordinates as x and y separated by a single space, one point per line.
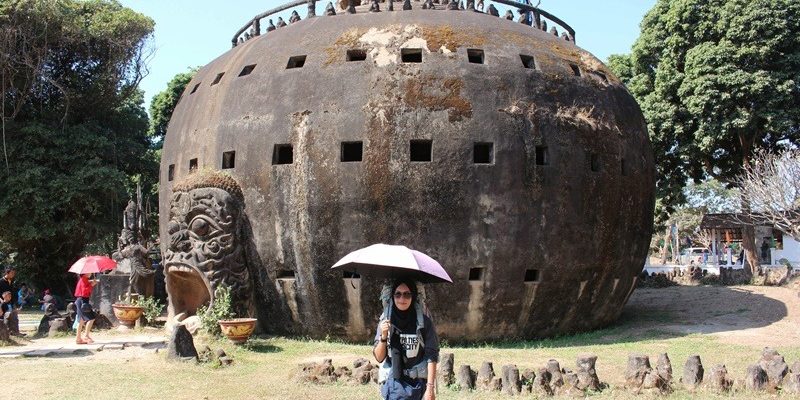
512 156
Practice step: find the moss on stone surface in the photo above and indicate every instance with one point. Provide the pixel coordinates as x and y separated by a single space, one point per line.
206 178
445 36
437 94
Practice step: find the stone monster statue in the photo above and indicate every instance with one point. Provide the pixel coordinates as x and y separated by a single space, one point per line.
205 248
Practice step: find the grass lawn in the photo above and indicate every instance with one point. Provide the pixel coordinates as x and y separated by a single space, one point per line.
264 368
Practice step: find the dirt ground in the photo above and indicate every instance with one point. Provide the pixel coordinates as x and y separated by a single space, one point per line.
756 316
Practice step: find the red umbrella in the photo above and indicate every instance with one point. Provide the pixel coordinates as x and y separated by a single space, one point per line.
92 264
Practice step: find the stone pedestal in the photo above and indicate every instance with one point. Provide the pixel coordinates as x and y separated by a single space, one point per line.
107 292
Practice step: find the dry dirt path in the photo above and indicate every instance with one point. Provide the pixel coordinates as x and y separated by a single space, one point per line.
754 316
107 345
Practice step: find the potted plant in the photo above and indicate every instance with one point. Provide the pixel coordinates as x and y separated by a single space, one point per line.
220 318
128 310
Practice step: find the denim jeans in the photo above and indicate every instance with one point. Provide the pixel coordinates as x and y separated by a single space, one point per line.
403 389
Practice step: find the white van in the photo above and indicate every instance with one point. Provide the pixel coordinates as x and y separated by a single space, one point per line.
696 254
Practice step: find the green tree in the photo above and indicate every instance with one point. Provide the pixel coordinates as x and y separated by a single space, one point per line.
717 80
711 196
74 127
163 104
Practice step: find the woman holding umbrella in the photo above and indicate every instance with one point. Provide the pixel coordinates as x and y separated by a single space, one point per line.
407 345
405 342
83 290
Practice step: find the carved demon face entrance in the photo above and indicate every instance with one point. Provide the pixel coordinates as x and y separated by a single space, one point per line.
205 249
194 290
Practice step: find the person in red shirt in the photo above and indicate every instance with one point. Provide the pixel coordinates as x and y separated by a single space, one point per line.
83 290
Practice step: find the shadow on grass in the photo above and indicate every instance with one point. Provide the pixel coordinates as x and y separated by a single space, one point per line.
659 314
261 345
73 354
608 336
52 353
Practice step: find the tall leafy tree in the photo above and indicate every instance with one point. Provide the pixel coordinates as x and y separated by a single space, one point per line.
74 128
164 103
717 81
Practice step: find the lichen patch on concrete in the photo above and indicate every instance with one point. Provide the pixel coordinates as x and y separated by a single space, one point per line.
586 117
347 40
382 56
415 43
437 95
379 37
384 43
444 37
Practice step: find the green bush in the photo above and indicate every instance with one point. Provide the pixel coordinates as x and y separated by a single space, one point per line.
220 309
152 308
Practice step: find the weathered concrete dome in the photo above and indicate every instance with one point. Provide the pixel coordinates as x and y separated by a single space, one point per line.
512 156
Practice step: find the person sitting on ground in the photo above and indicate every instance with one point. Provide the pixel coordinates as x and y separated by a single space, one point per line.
47 299
5 302
85 316
10 317
25 296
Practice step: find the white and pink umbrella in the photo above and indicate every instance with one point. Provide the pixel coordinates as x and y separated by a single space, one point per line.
389 261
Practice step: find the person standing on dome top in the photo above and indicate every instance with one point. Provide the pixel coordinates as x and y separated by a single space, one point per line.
407 346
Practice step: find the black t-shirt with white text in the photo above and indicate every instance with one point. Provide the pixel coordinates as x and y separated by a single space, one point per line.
409 343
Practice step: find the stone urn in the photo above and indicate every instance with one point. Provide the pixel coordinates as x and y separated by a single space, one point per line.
238 330
127 314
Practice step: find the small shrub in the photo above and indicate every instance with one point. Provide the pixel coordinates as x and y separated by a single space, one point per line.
152 309
454 387
220 309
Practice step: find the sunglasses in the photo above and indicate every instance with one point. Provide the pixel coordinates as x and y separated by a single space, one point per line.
406 295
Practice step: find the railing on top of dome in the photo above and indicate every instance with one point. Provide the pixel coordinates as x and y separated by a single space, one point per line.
528 14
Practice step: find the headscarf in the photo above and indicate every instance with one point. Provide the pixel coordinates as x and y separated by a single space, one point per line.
412 317
405 320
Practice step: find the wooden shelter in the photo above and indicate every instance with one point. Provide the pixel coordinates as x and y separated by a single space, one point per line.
726 229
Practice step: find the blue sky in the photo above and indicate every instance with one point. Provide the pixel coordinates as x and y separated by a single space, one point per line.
194 32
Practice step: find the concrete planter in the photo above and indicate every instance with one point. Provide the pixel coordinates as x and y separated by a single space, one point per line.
127 314
238 330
